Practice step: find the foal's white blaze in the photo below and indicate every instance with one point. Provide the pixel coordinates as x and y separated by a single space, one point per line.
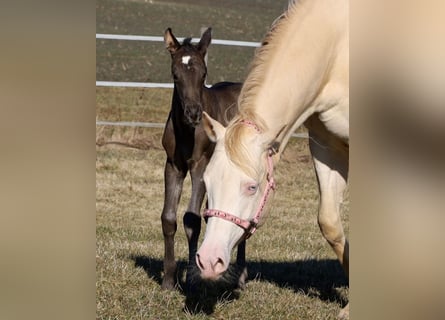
186 59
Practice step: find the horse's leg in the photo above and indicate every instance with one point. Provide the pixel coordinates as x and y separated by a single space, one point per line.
192 217
332 186
173 180
331 168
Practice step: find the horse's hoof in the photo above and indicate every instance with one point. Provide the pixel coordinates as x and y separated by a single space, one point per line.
344 313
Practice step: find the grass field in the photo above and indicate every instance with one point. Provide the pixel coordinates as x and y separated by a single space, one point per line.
293 273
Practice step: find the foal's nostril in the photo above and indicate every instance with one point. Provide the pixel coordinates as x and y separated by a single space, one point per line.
193 116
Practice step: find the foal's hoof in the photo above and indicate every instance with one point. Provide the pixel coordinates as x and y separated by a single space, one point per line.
242 279
168 284
241 284
344 313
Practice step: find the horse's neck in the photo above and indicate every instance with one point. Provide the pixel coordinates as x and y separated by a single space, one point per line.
297 68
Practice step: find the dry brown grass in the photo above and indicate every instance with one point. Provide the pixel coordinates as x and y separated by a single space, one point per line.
293 271
130 104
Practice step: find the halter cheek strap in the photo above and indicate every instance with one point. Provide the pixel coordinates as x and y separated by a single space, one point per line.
251 124
249 226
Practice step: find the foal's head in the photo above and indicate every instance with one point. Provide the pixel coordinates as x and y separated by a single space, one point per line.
189 72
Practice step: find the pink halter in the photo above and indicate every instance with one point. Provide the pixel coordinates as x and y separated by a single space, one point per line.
249 226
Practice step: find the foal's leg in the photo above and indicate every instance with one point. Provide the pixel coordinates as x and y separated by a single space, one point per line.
241 263
192 217
331 168
173 180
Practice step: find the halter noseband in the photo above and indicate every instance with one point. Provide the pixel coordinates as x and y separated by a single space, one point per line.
249 226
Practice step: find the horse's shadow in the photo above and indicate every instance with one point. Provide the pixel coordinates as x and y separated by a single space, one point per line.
314 278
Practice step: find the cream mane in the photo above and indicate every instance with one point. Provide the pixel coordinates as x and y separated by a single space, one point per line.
235 140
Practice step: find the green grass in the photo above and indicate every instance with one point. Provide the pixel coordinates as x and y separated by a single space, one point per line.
293 273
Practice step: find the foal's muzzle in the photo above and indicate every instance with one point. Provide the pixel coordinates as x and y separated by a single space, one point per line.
193 115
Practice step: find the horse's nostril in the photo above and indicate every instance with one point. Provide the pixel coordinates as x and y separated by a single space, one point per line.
219 266
198 262
219 262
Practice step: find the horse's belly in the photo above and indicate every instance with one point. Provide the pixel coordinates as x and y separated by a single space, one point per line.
336 120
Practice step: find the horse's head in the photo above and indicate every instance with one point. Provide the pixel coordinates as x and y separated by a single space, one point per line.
189 72
237 188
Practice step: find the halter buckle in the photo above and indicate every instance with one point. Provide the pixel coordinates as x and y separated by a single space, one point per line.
251 229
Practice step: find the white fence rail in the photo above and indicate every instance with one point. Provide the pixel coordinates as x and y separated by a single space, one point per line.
158 39
133 84
130 124
158 85
159 125
161 39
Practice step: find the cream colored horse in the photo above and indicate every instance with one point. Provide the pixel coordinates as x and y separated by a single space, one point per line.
299 75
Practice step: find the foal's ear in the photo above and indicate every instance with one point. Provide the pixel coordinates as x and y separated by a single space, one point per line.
204 43
215 130
171 43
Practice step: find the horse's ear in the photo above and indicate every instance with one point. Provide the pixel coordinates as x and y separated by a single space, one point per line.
204 43
171 43
215 130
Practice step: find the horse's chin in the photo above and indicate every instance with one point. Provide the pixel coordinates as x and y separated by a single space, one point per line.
210 277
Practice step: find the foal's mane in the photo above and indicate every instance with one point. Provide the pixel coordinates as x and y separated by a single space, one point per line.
235 142
187 42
